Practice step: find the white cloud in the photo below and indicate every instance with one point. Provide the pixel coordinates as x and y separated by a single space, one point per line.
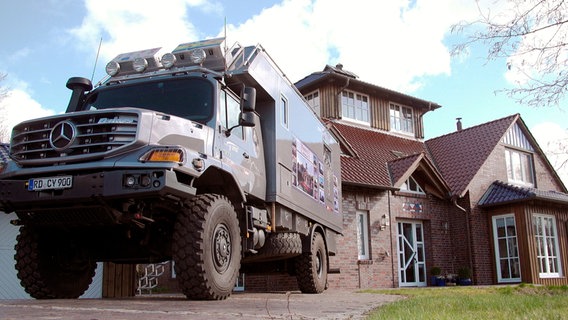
553 139
388 43
130 26
16 107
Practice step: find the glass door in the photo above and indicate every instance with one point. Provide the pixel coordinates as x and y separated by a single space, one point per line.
411 254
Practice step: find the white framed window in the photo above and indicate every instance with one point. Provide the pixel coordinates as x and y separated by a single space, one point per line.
363 235
355 106
507 258
547 251
313 100
410 185
284 111
401 118
519 167
230 111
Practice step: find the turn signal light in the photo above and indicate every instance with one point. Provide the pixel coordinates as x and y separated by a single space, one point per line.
164 155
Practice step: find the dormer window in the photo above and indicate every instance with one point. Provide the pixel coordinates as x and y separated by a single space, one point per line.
313 100
401 119
355 106
410 185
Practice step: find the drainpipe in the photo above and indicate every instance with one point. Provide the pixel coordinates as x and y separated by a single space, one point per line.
468 232
390 237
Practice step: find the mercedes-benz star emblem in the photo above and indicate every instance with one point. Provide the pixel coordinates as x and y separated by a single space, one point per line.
62 135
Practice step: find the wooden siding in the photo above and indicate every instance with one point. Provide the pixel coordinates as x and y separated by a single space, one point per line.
330 105
527 243
119 280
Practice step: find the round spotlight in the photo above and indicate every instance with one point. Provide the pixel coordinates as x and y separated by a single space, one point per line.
168 60
112 68
197 56
140 64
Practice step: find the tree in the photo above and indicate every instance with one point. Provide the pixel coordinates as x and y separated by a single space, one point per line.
533 36
4 130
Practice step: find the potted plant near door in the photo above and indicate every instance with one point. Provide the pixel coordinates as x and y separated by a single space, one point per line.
464 276
437 279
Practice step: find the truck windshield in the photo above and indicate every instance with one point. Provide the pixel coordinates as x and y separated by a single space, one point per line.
190 98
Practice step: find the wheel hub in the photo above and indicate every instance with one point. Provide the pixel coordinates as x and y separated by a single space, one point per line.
222 248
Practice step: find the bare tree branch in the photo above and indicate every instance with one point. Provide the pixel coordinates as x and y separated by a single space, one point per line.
533 36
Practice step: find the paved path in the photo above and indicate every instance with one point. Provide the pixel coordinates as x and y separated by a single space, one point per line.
332 304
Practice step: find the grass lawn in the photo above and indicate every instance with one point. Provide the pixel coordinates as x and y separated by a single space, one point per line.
496 302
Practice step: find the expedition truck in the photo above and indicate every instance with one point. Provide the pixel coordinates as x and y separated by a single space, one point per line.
207 156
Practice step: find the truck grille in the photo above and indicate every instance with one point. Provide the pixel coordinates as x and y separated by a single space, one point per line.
73 137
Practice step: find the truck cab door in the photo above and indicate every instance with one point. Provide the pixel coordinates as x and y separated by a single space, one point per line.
241 151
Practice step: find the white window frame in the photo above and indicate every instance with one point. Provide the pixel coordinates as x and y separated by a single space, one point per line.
406 186
510 258
362 221
313 99
540 234
355 108
520 167
398 122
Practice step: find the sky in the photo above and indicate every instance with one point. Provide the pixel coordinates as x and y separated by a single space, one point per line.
402 45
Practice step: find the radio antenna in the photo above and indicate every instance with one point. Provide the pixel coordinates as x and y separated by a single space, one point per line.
96 59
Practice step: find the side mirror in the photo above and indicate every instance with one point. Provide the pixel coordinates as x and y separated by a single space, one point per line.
248 99
79 86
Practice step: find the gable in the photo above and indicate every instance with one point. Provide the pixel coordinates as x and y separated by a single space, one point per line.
460 155
421 169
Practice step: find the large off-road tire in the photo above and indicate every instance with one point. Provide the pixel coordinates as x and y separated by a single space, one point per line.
279 246
311 267
51 266
207 248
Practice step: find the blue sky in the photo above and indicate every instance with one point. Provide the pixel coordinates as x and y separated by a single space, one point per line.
402 45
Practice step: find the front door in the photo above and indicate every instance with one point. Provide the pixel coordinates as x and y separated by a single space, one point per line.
411 255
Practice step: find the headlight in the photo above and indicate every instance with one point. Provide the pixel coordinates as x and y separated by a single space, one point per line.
168 60
197 56
112 68
140 64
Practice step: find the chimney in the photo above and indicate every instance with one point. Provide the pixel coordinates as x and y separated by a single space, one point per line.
339 66
459 124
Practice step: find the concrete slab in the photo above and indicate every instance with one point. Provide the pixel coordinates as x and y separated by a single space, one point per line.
332 304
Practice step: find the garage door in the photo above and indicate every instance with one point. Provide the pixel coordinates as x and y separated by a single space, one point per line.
10 287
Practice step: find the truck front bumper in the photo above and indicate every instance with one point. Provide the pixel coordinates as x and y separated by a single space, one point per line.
16 195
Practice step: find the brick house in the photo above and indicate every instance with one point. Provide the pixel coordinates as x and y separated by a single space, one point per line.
483 198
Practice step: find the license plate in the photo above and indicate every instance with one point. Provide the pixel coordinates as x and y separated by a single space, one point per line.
51 183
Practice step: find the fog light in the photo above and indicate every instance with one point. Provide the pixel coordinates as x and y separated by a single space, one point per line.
145 180
129 181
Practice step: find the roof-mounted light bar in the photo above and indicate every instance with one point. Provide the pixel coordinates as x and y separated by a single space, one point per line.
206 53
134 62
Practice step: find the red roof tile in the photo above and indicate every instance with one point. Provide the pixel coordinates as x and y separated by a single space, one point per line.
460 155
374 149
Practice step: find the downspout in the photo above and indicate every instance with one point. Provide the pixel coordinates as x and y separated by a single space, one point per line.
468 228
390 237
